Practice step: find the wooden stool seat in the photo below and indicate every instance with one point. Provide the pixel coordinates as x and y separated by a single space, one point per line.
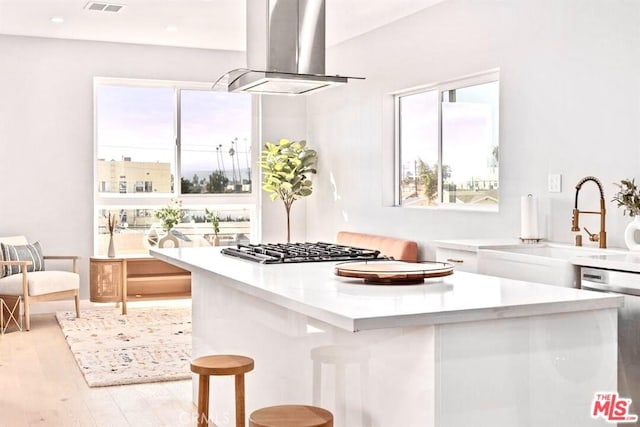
291 416
221 364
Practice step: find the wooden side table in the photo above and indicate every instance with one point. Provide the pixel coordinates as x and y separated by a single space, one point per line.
108 278
10 312
135 278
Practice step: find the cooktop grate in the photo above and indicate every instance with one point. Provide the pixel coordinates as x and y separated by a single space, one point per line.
280 253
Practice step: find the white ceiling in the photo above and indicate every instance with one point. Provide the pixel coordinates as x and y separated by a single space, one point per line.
209 24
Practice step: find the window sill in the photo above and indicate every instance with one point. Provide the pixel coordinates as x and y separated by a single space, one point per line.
453 207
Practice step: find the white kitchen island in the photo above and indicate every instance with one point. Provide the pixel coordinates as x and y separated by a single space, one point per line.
463 350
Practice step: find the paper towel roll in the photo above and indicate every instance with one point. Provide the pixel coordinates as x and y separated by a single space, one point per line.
529 217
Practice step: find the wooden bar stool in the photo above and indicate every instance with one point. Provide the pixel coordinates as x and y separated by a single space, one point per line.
220 364
291 416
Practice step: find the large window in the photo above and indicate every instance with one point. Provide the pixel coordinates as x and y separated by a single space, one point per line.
156 141
447 144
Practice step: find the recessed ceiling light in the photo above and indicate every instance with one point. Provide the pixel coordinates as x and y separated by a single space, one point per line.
57 19
172 28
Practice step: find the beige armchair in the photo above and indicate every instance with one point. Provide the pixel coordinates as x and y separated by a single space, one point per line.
38 286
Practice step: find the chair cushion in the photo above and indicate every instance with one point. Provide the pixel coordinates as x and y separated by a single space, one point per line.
40 282
398 249
27 252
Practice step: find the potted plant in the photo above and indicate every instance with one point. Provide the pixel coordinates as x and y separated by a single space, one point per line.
215 224
628 198
112 220
286 168
170 216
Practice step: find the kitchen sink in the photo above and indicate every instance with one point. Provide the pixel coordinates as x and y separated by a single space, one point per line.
545 263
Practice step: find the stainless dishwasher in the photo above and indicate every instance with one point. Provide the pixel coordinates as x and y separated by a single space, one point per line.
628 285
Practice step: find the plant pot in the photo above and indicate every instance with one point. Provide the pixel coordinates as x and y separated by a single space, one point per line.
630 234
169 241
111 252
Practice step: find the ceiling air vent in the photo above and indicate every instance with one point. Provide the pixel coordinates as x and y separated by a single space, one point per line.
103 7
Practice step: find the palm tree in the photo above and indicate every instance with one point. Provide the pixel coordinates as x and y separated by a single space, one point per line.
233 165
247 151
224 170
218 157
235 141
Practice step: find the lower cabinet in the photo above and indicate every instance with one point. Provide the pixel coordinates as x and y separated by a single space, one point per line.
462 260
128 278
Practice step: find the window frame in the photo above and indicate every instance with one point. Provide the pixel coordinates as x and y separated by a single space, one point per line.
153 200
441 87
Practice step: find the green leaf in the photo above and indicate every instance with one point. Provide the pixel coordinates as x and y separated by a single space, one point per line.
285 166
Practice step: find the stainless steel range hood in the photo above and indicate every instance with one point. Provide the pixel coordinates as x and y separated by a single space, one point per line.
285 50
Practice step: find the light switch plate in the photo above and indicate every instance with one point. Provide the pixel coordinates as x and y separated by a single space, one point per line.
555 183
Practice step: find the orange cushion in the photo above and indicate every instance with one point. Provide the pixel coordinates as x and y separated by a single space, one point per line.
401 250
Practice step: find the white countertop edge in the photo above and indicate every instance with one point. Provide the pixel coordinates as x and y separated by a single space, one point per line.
177 262
480 314
473 245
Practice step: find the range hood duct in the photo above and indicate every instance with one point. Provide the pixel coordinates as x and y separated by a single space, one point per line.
285 50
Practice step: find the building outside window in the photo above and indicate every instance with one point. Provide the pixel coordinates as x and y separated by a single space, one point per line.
169 140
447 144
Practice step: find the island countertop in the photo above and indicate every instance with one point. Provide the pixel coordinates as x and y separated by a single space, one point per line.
314 290
629 261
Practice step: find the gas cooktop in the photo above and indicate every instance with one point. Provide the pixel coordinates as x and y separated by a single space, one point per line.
279 253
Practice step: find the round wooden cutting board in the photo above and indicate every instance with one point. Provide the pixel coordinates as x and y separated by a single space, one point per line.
393 272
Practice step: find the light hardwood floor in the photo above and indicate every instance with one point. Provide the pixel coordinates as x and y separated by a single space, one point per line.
41 385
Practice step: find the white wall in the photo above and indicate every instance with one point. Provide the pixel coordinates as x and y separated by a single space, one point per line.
46 130
569 98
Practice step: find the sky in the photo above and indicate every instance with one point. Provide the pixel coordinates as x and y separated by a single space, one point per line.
139 122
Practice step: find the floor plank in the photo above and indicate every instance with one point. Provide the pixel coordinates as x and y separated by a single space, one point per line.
42 385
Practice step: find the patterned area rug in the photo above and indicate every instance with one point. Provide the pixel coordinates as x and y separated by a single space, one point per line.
145 345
